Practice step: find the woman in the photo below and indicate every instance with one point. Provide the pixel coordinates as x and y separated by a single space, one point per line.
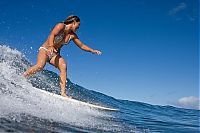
49 52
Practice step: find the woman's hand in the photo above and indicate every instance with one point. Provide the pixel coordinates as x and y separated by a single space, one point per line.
96 52
51 49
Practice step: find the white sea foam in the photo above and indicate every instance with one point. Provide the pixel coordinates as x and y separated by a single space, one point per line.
18 96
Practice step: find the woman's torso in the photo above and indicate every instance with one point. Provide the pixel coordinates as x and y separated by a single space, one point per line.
63 37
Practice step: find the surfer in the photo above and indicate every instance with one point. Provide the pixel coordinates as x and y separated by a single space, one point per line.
49 52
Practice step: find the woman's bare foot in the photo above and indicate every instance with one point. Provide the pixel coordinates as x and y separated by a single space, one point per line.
64 95
24 75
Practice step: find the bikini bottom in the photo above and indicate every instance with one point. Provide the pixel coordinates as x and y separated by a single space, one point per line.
50 55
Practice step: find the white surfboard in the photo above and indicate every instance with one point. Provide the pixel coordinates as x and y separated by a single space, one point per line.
77 101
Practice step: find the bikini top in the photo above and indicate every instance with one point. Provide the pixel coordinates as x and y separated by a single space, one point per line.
61 35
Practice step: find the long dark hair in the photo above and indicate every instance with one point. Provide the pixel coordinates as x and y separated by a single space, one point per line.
70 19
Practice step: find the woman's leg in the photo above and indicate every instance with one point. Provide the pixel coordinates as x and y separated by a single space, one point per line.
60 63
41 61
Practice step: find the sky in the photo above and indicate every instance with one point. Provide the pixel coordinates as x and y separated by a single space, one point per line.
150 47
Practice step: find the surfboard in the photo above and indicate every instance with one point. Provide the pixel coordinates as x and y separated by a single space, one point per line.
67 99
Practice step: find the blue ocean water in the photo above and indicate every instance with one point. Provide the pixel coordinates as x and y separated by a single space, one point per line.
22 109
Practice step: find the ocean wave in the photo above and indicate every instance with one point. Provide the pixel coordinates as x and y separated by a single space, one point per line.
24 109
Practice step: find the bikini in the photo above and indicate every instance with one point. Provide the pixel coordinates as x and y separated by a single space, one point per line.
58 38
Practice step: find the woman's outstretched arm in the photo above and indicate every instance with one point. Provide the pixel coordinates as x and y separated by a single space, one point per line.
85 47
